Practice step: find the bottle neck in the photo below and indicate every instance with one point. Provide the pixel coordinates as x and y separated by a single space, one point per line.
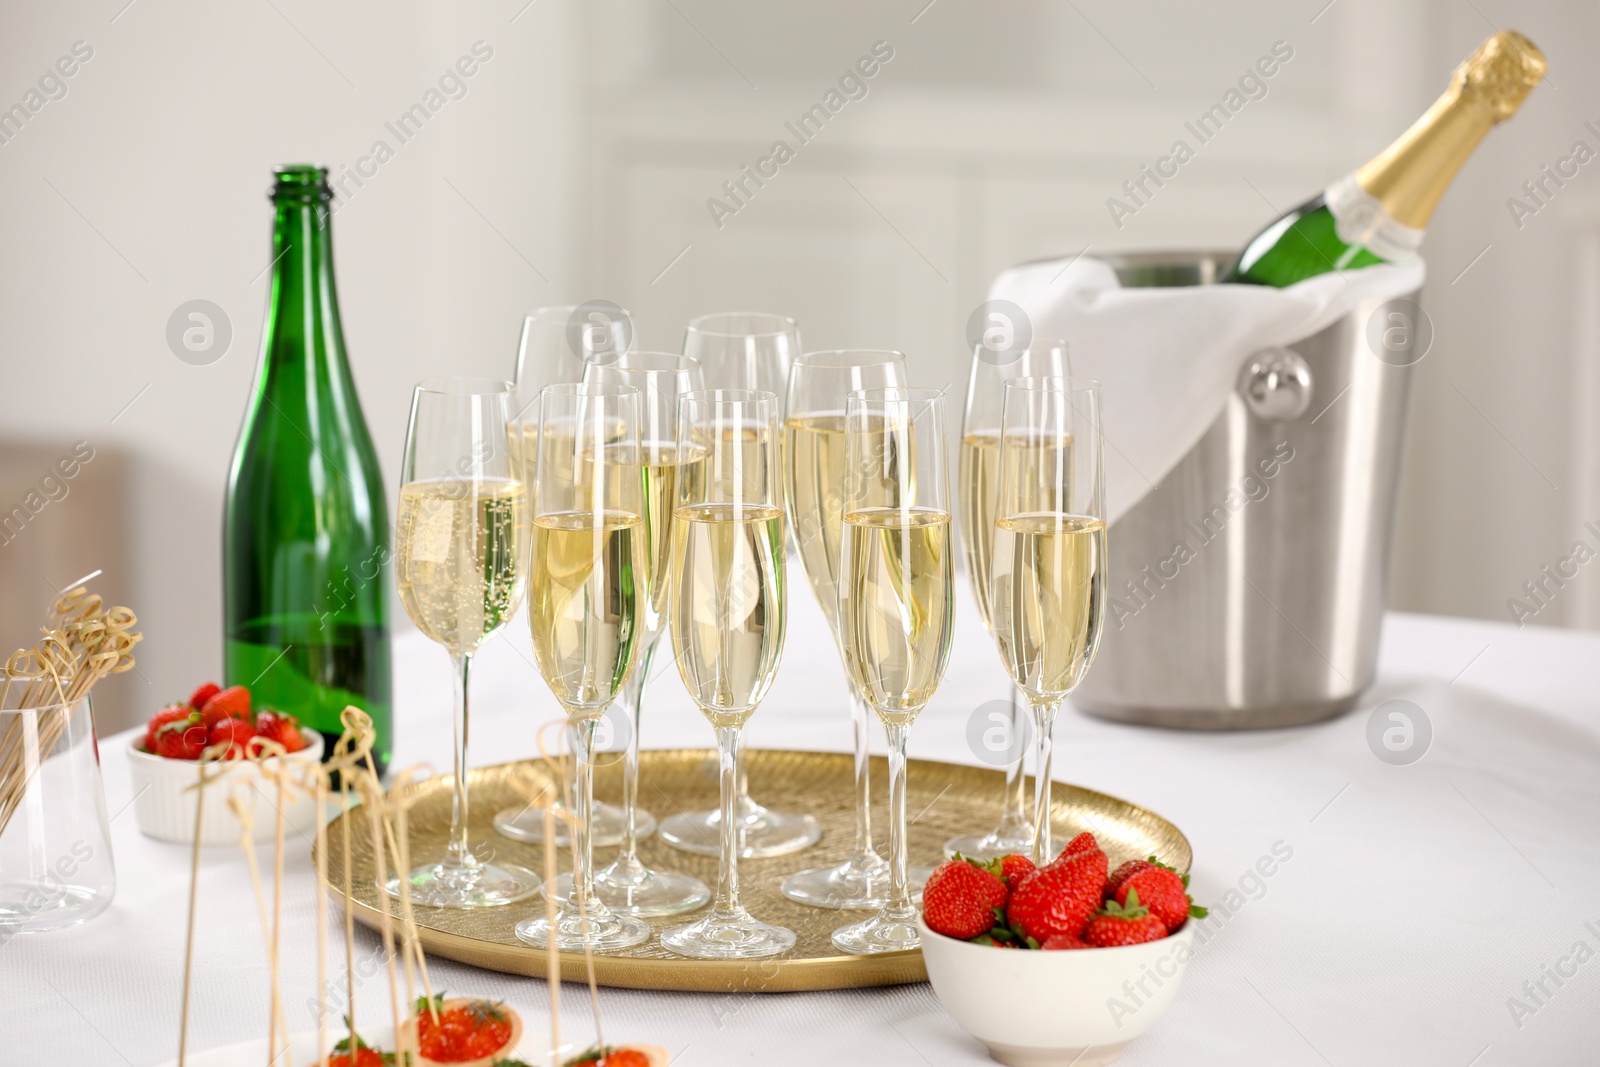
1410 176
303 309
1385 206
1387 203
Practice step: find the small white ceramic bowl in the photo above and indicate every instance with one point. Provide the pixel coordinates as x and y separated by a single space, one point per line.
164 804
1050 1009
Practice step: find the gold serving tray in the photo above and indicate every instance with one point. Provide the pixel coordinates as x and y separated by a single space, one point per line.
943 800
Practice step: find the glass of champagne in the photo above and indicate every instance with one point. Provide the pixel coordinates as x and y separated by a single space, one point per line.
727 622
977 476
673 464
744 350
814 477
461 565
555 345
896 603
586 610
1047 585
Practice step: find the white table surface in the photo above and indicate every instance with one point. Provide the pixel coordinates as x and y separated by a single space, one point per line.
1417 901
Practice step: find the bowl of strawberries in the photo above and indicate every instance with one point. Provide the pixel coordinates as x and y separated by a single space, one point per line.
1064 963
217 724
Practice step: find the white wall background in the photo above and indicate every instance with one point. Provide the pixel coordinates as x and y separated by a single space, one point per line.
578 165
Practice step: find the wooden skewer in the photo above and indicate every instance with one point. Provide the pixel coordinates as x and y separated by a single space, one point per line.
347 753
83 643
403 794
320 790
205 776
373 802
261 752
241 801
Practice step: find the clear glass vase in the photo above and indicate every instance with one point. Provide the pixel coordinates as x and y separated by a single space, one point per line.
55 846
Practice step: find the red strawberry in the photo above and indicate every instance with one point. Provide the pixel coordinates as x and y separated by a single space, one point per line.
1060 897
170 713
1130 924
1067 941
183 738
1084 842
1014 868
1162 890
281 727
198 698
1123 873
235 733
960 899
230 703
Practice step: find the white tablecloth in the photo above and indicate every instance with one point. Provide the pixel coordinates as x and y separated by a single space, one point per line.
1415 903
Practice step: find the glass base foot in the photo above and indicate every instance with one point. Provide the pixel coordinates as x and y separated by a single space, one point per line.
762 833
849 885
739 938
527 824
880 933
31 906
645 893
481 885
600 933
1001 841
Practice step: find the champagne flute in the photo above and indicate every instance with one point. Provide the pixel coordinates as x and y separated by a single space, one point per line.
976 482
588 598
1047 588
896 603
673 465
557 341
744 350
462 557
814 477
727 622
555 345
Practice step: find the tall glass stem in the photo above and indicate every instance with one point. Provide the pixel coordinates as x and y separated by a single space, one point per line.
582 843
899 906
458 857
632 698
1014 821
1044 723
726 908
861 718
744 808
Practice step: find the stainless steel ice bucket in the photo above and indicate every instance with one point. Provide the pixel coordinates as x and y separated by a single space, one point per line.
1247 589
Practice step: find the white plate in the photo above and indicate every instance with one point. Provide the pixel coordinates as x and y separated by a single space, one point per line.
303 1049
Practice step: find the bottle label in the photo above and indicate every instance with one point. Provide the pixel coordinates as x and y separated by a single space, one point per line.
1360 219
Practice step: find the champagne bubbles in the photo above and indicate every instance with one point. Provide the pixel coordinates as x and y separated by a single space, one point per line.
199 332
1399 332
998 332
1399 732
599 331
995 736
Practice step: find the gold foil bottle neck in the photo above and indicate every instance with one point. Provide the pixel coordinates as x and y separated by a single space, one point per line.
1411 175
1501 73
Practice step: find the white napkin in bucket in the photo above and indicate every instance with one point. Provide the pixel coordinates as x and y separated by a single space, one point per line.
1167 359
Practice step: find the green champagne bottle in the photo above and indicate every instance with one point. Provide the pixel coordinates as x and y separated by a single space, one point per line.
306 531
1378 214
